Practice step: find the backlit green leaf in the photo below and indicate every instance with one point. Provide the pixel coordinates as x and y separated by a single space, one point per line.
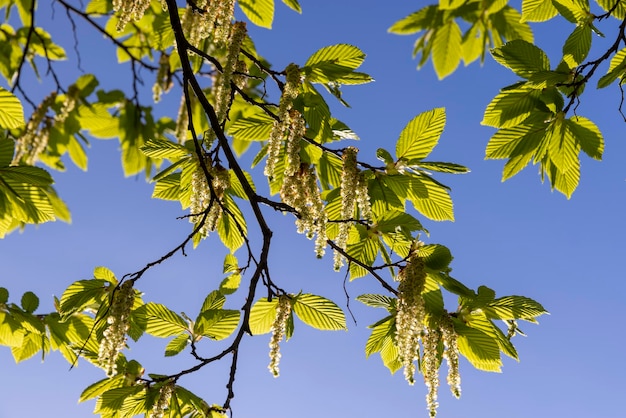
177 345
161 321
319 312
420 135
538 10
217 324
262 316
480 348
11 112
522 57
446 49
260 12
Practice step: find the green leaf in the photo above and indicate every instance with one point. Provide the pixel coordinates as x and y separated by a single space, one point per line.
230 284
7 148
481 349
376 301
294 5
256 127
96 389
177 345
217 324
112 401
162 148
103 273
382 331
260 12
538 10
390 355
30 302
618 8
430 199
442 167
4 295
617 67
577 46
160 321
436 256
11 112
334 63
214 300
588 136
11 331
514 307
262 316
231 226
77 153
82 294
319 312
511 107
481 323
420 135
522 57
446 49
416 21
31 345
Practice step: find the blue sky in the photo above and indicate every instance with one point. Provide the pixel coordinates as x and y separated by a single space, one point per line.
515 237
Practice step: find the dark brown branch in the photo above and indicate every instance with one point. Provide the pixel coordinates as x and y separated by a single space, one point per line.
29 37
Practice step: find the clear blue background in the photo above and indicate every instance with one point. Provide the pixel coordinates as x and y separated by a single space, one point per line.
515 237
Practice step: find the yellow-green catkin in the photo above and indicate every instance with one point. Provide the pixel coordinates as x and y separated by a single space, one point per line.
451 354
163 400
430 369
163 82
281 127
410 314
129 10
349 181
118 324
34 140
279 328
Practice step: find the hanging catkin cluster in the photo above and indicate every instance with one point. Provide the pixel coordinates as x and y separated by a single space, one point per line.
430 368
451 354
410 314
35 139
287 120
353 190
279 327
222 87
163 82
201 196
300 191
129 10
163 401
208 20
114 337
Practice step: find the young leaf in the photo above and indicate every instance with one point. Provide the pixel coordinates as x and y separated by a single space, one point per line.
514 307
538 10
260 12
177 345
376 301
522 57
577 46
262 316
420 136
11 112
217 324
319 312
480 348
30 302
446 49
161 321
